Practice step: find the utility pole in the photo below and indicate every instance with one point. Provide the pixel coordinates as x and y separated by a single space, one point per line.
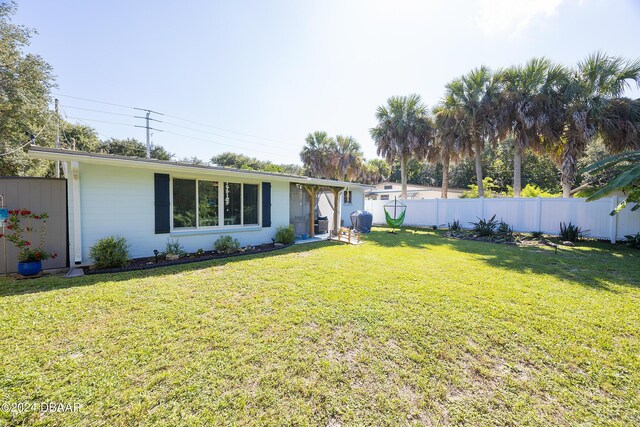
57 103
148 119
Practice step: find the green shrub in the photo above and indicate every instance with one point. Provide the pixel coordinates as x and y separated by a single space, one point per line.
226 245
110 252
285 235
174 247
485 228
536 234
455 225
504 228
531 190
569 232
633 241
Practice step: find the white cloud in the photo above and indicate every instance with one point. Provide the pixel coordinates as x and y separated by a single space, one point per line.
512 16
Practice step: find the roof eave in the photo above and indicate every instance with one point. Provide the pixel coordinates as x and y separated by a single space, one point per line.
85 157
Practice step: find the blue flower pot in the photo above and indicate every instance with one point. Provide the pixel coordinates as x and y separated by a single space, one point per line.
29 268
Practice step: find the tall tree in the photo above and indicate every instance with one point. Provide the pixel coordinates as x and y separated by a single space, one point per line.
595 106
347 157
374 171
530 105
447 143
404 131
473 99
25 83
134 148
316 154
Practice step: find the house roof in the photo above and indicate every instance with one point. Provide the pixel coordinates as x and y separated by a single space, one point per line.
65 155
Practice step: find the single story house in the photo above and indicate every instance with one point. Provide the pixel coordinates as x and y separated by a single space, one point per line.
149 201
388 190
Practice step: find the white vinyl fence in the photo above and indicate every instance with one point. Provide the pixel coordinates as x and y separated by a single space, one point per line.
522 214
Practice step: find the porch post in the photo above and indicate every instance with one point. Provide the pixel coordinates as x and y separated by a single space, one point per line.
336 201
312 202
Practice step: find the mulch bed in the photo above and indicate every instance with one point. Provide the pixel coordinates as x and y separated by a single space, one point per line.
505 238
155 262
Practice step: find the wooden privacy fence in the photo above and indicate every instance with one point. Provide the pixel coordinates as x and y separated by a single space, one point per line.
38 195
523 214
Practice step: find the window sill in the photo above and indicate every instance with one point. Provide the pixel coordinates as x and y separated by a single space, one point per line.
228 229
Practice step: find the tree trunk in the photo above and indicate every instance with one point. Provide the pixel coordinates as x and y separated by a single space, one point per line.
403 176
566 189
567 175
445 176
517 170
478 155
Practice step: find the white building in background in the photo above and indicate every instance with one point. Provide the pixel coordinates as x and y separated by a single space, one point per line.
388 190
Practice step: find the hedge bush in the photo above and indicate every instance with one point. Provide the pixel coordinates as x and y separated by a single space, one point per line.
285 235
110 252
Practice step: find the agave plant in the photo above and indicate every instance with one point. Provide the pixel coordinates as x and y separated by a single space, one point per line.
633 241
455 225
569 232
485 227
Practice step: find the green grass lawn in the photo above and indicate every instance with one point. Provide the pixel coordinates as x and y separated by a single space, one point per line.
407 329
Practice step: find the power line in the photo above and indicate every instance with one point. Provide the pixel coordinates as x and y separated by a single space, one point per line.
171 124
214 142
32 140
101 121
98 111
282 150
287 144
171 133
94 100
219 135
227 130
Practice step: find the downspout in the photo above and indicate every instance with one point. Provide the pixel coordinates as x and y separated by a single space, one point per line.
76 226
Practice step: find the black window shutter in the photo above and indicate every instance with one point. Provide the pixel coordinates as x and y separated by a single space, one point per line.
162 201
266 204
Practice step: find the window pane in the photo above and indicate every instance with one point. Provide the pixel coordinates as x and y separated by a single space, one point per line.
184 203
250 204
232 203
208 203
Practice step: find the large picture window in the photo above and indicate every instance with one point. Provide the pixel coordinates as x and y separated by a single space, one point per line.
184 203
202 204
250 204
232 203
207 203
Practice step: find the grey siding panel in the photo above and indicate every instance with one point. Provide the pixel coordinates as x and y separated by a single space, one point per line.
38 195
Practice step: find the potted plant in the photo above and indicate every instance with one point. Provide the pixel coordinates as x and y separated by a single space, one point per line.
29 258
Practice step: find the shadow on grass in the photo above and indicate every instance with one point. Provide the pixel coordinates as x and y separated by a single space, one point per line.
10 287
591 264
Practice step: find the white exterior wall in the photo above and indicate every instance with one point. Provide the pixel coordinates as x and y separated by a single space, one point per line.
120 200
357 203
523 214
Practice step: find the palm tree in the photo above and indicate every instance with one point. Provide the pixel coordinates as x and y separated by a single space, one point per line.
472 99
594 106
315 154
446 144
528 104
347 158
404 131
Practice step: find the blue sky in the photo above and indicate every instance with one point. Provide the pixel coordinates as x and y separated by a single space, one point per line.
273 71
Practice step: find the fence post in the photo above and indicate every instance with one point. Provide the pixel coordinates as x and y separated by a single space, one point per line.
539 214
613 221
437 213
481 207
